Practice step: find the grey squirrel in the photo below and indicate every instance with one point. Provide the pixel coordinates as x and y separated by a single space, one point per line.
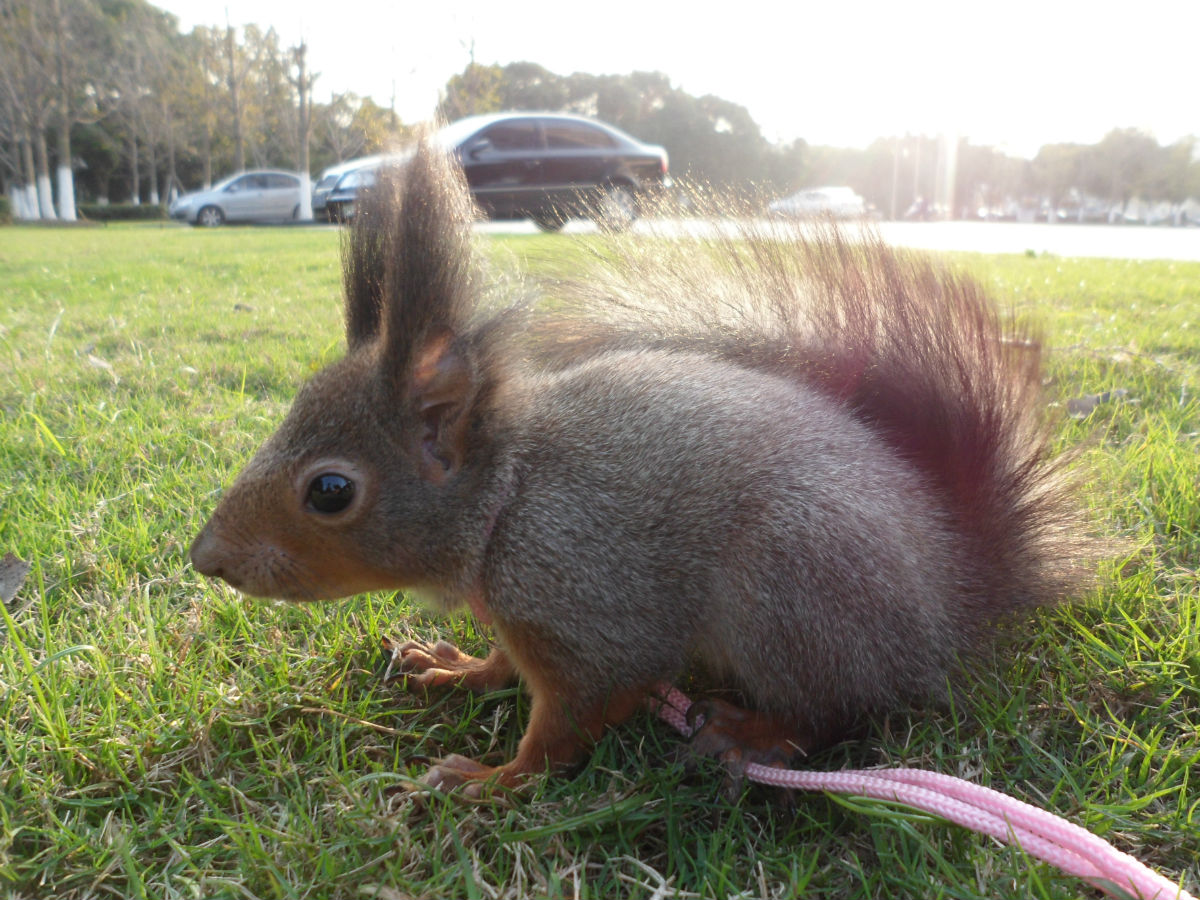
818 470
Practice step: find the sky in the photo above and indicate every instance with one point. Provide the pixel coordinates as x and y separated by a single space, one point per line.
1014 74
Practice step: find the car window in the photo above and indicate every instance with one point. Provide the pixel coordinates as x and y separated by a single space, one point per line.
576 136
357 178
282 181
251 182
515 134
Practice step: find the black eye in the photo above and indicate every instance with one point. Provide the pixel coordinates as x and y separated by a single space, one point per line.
330 492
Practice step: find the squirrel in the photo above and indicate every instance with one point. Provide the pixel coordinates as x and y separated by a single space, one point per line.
818 470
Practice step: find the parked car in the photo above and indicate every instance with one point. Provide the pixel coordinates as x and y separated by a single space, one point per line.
839 202
543 166
261 196
328 181
340 199
554 167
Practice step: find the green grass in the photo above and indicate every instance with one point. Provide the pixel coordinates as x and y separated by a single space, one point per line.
162 737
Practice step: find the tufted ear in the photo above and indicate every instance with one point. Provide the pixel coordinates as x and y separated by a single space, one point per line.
365 258
408 262
443 387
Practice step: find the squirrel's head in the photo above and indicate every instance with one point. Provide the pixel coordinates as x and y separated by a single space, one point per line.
376 477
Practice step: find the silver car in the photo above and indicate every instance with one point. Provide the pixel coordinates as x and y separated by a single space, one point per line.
260 196
838 202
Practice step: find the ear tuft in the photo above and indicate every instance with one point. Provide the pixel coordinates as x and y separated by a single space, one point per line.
409 266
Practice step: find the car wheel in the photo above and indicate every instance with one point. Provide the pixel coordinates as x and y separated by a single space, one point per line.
550 220
210 217
616 209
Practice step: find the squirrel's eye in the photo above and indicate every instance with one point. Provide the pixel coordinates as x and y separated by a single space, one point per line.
330 492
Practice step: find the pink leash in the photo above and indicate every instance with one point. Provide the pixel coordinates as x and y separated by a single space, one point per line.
1041 834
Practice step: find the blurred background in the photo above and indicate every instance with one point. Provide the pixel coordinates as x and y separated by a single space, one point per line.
1047 112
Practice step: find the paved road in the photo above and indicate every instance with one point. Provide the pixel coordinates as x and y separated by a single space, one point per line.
1112 241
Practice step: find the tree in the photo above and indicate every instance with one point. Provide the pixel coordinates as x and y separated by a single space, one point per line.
477 90
350 126
1058 170
1119 165
303 82
1175 176
80 41
27 69
527 85
205 46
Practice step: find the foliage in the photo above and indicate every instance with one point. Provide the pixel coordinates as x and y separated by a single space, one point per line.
5 211
151 110
161 737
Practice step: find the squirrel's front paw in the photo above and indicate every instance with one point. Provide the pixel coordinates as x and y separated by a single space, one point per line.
471 780
430 665
440 664
458 773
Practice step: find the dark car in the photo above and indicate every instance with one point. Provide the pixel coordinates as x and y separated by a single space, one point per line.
340 199
328 182
542 166
551 167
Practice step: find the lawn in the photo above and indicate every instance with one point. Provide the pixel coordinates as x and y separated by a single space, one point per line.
163 737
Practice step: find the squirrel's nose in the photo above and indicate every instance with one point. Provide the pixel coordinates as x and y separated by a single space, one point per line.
206 554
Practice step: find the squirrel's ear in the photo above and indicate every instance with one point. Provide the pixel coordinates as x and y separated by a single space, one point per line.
442 388
365 257
362 318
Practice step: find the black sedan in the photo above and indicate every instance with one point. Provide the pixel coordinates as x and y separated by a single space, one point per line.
552 167
542 166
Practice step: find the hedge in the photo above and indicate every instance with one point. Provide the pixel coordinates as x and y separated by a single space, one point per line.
121 212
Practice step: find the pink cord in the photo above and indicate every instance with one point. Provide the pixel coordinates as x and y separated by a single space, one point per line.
1041 834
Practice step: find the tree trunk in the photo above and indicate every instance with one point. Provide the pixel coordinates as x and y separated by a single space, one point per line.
29 189
66 174
135 191
152 165
206 151
239 151
45 195
15 199
172 176
304 86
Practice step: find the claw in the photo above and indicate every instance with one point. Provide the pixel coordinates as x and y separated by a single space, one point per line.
456 772
441 664
737 737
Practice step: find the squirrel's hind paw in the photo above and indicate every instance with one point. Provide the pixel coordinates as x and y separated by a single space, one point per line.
722 727
737 737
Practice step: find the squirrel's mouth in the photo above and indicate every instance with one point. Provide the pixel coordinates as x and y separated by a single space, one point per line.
262 570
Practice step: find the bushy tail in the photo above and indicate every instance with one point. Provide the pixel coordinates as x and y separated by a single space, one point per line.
917 352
